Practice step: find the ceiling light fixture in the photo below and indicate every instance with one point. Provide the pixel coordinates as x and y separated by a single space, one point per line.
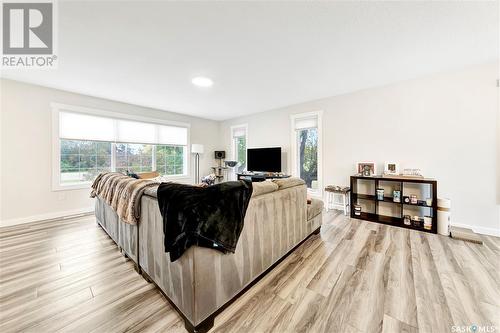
201 81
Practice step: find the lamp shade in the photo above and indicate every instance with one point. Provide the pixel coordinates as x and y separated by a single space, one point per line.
196 148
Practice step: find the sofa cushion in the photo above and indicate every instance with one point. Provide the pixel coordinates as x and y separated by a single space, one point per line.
314 208
260 188
288 182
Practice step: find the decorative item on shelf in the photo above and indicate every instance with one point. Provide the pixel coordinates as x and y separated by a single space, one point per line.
413 199
366 169
406 199
380 194
416 222
427 222
407 220
197 149
428 201
396 196
421 202
391 168
357 210
412 173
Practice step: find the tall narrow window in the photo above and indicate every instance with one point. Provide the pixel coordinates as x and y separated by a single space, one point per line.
308 155
239 146
306 147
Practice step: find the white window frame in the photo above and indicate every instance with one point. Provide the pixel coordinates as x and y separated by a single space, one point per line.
318 193
56 144
233 146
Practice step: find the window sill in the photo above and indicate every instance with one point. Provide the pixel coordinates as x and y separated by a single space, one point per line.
71 187
177 177
86 186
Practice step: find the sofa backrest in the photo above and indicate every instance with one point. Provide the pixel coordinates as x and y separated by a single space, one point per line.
259 188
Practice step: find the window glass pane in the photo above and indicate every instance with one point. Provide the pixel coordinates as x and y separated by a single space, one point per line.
133 157
103 148
104 161
69 147
170 160
308 155
81 161
240 144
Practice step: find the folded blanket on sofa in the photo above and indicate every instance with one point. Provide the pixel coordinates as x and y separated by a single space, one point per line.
205 216
122 193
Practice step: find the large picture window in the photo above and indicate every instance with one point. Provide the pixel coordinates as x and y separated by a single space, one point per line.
306 147
87 144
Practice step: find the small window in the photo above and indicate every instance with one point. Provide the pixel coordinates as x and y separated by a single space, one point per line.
307 143
306 149
239 146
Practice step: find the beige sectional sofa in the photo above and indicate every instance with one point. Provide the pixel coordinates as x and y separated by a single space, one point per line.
203 281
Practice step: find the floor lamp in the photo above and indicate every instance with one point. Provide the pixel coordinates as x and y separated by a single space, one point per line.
196 149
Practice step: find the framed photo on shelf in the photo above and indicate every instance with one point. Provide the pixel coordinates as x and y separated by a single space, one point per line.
366 169
391 168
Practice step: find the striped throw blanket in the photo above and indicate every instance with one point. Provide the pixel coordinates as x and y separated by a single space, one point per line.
122 193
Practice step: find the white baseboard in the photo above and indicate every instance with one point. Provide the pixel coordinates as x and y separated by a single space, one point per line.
479 230
43 217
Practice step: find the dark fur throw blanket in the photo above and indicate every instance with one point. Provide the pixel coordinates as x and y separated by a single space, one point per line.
205 216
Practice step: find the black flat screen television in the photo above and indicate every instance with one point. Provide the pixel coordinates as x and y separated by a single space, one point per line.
264 159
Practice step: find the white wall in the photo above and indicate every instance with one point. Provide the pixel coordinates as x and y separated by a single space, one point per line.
25 141
498 142
444 124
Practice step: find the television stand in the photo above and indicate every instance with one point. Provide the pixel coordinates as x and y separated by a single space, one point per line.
261 176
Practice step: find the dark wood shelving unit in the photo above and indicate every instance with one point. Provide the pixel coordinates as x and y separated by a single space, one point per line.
392 220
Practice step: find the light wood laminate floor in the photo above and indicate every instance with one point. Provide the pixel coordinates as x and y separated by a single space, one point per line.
355 276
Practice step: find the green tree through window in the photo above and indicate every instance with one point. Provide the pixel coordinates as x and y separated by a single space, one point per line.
241 152
81 160
308 155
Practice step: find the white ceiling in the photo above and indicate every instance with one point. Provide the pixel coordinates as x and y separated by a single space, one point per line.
260 55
